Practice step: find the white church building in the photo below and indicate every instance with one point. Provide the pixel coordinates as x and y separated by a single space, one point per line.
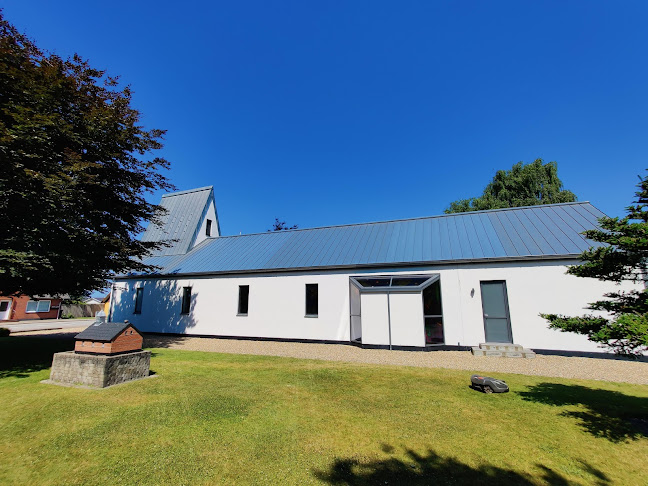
424 283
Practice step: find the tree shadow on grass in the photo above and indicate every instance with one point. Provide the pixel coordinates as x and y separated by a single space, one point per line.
432 469
154 340
609 414
22 355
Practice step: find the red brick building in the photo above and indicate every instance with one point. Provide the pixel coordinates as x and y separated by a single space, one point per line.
108 338
14 308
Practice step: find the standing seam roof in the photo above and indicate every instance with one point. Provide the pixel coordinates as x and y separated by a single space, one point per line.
548 231
179 226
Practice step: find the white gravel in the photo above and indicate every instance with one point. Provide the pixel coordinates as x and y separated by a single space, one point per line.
554 366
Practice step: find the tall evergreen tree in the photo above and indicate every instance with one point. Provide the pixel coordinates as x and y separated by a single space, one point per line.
523 185
623 258
76 166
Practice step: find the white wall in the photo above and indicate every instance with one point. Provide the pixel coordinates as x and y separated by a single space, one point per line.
533 288
211 214
277 305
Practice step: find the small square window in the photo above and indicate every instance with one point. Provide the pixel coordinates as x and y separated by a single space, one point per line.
44 305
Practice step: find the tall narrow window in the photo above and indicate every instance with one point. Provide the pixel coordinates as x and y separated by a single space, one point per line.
312 300
186 300
208 228
139 295
244 298
433 314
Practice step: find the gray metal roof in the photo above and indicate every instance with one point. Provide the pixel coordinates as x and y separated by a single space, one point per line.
102 331
185 211
547 231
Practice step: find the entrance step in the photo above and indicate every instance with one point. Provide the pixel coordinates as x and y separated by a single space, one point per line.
500 347
505 350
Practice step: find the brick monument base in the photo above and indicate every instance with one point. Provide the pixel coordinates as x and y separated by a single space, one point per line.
99 371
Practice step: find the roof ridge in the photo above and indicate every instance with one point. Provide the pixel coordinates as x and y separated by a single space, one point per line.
188 191
404 219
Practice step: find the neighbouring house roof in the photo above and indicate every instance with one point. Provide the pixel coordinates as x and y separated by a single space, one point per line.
549 231
180 225
103 331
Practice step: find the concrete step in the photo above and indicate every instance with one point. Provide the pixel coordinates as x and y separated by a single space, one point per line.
523 353
501 347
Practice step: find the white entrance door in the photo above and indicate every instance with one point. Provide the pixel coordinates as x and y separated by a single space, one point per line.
375 318
5 309
394 318
406 316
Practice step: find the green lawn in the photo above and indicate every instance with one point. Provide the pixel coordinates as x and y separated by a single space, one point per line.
225 419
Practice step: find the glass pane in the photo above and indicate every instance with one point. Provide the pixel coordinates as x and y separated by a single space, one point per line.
374 282
434 330
311 300
497 330
43 306
244 295
138 300
4 305
493 299
32 305
432 299
186 300
408 281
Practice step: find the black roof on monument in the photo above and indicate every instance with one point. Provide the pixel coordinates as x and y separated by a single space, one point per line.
103 331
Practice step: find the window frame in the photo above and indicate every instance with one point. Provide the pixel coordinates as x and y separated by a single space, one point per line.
49 306
185 308
247 301
310 314
208 227
357 280
139 299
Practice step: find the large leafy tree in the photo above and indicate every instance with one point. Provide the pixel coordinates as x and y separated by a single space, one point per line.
523 185
623 258
76 166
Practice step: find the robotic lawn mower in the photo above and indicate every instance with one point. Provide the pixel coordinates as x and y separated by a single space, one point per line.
488 385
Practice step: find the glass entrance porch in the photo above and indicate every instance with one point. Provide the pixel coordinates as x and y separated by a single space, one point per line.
396 310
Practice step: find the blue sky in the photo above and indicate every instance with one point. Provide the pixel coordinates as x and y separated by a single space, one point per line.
326 113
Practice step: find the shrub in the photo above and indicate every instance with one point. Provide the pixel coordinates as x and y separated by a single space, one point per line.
4 332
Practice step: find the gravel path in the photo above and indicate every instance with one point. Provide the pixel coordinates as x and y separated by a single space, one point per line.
553 366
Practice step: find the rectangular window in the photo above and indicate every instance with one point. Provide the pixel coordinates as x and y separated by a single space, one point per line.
38 306
312 304
433 314
186 300
208 228
244 298
139 296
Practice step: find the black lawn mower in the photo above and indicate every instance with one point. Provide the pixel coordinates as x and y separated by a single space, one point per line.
488 385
